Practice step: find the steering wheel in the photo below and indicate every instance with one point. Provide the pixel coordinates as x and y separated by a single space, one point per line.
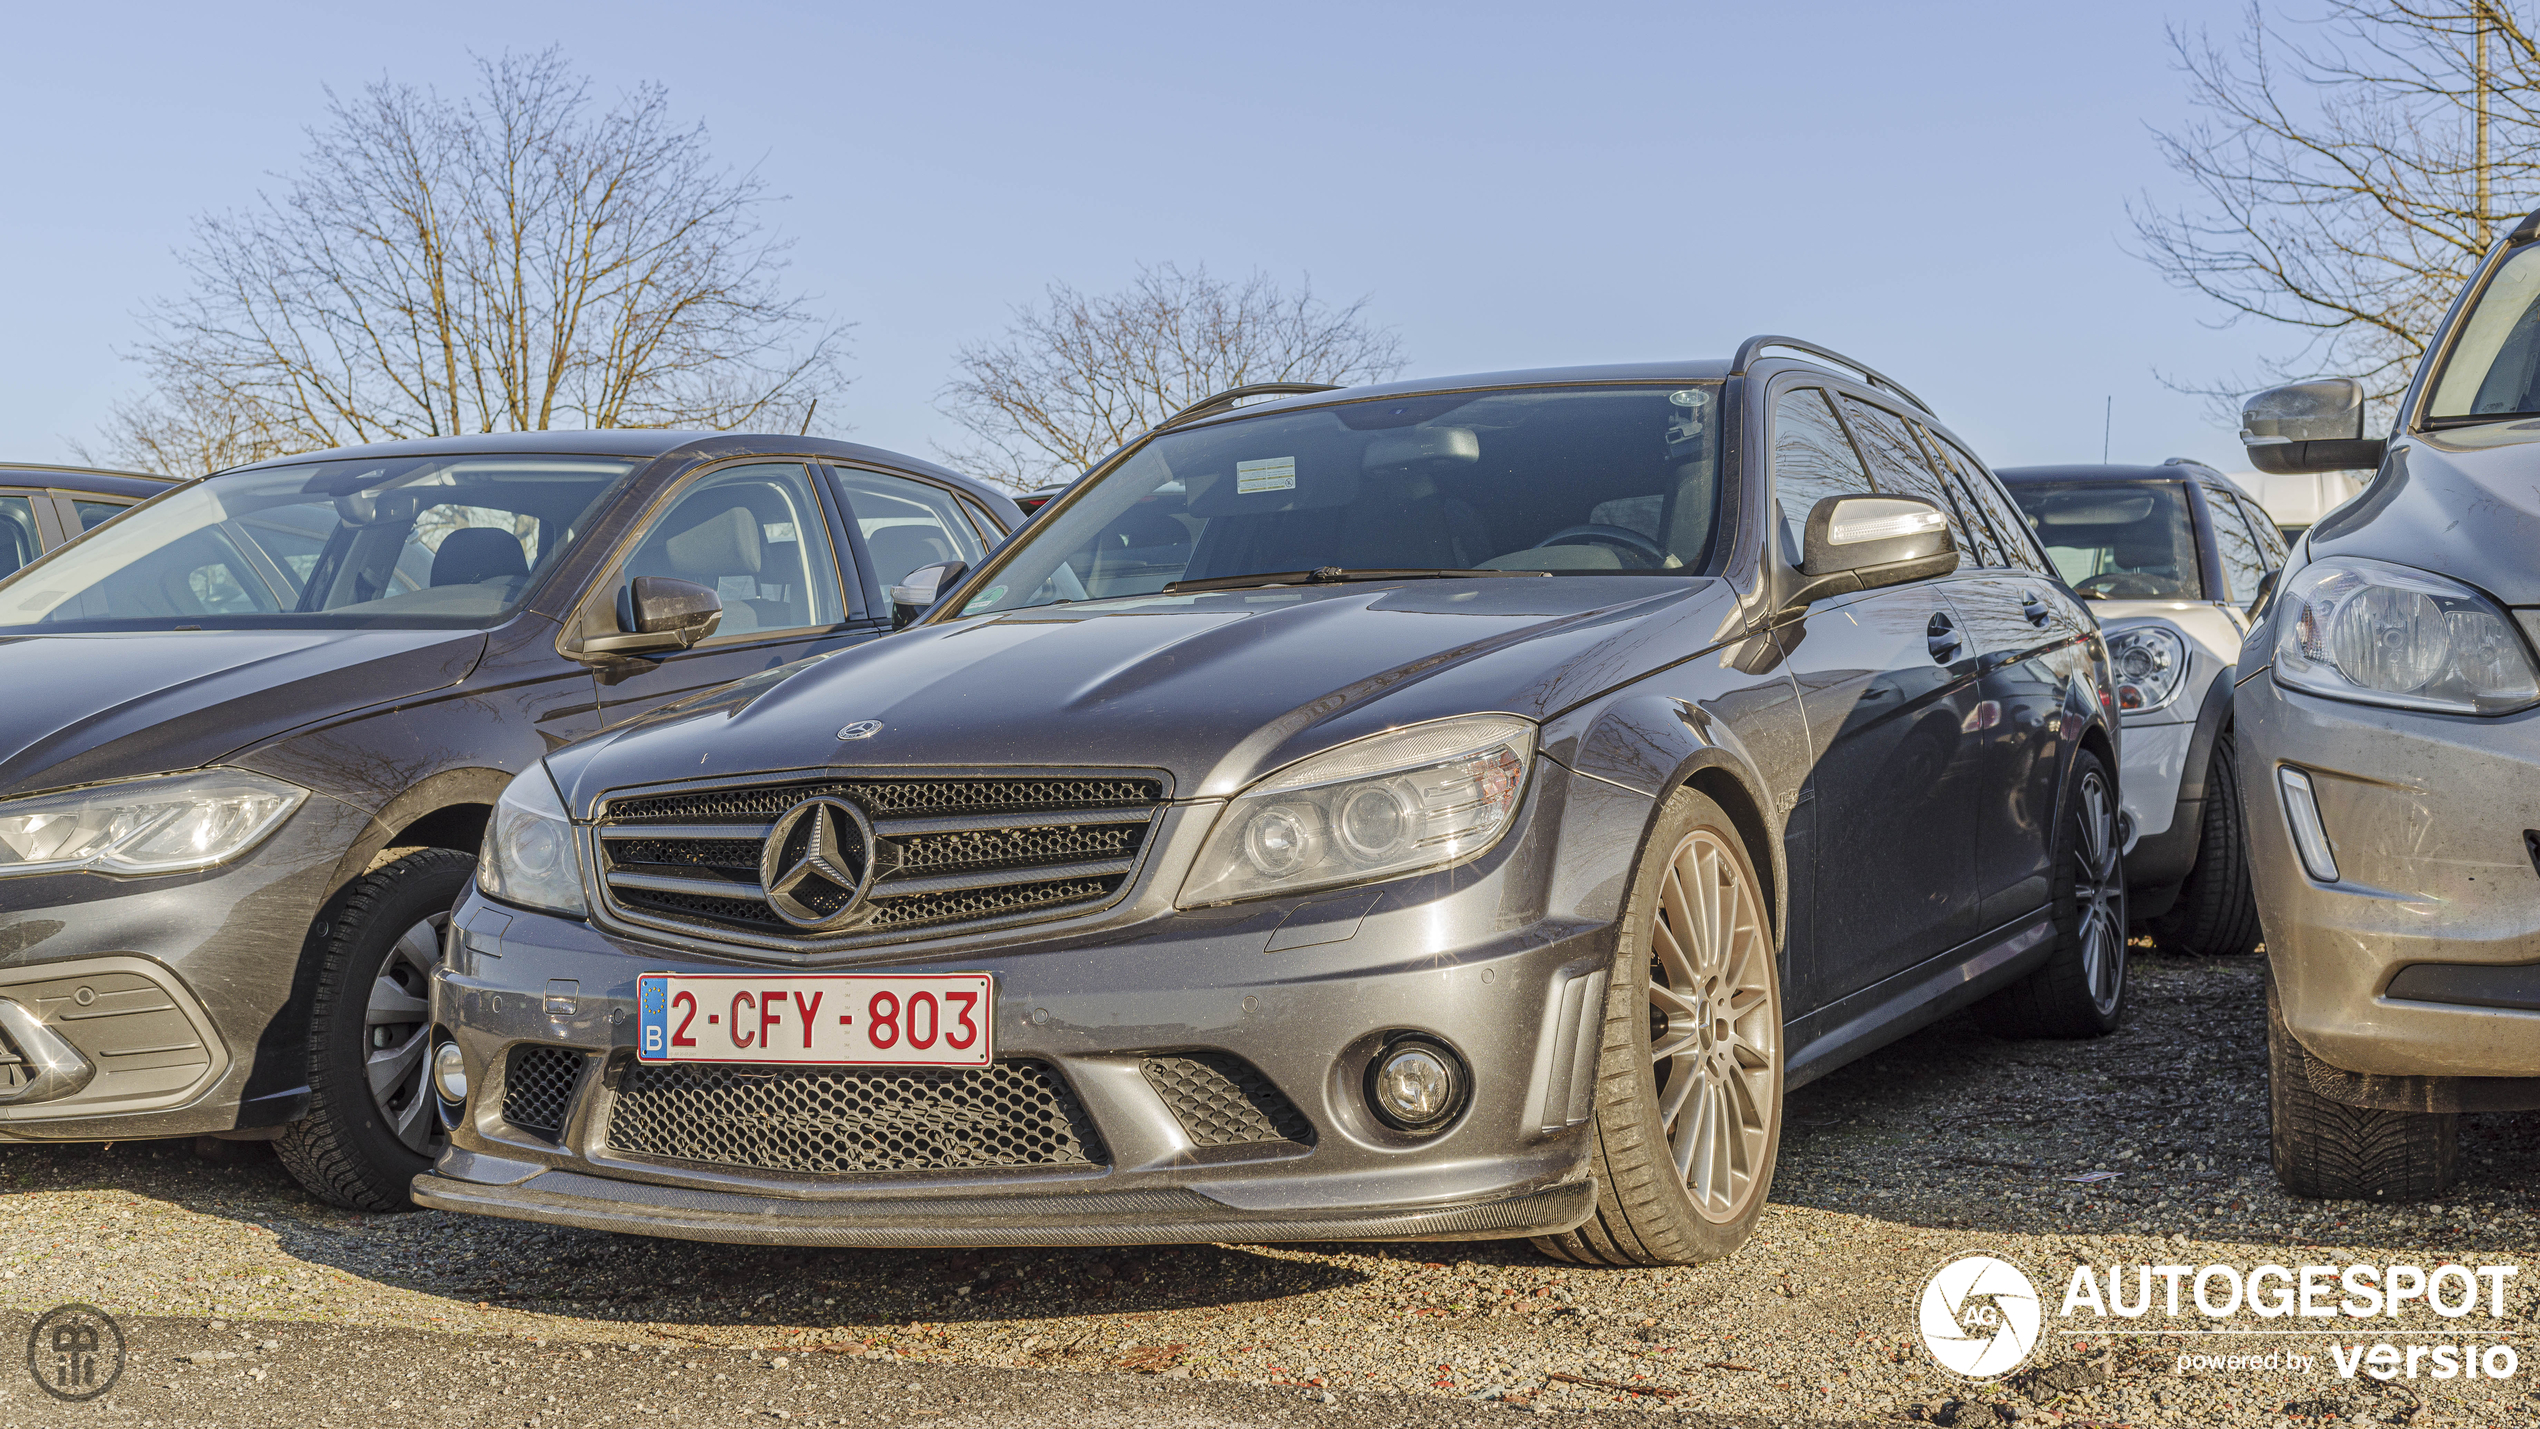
2122 585
1598 532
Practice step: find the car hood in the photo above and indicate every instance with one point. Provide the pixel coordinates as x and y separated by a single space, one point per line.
82 708
2465 503
1214 689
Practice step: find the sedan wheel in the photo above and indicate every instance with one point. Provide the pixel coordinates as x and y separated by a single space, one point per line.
2080 992
1687 1122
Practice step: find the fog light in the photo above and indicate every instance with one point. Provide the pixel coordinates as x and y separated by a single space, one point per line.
449 1072
1415 1084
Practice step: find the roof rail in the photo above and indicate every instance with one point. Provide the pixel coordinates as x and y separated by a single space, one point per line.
1747 350
1209 406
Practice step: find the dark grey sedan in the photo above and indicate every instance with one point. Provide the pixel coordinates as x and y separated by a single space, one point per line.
1442 810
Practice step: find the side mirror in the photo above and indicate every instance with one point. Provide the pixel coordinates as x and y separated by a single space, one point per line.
1859 543
659 613
921 588
2308 426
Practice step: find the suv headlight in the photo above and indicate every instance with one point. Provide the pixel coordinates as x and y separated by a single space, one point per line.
169 823
1379 807
2393 635
2148 663
529 856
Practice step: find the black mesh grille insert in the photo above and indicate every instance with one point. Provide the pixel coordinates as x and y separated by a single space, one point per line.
538 1088
972 903
889 798
1223 1100
998 848
833 1120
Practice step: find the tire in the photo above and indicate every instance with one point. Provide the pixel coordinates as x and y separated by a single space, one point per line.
2329 1151
2081 991
360 1148
1688 1117
2216 915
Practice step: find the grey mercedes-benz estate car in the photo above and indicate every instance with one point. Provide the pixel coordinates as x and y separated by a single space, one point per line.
2389 709
1449 809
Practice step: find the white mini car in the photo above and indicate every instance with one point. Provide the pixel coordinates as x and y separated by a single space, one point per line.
2172 559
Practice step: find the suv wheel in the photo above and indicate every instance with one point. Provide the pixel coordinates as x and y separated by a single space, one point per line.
2217 910
2081 990
372 1125
1688 1113
2330 1151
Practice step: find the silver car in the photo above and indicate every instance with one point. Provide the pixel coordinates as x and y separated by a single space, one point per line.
2389 717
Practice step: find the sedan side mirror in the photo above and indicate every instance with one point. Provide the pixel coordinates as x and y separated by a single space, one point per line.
1859 543
2309 426
921 588
659 613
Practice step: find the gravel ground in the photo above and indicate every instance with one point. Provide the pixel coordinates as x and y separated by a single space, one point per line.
1944 1145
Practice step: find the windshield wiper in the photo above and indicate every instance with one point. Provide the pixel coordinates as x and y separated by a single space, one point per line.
1333 575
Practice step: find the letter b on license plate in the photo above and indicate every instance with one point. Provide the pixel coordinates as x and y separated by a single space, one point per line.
818 1019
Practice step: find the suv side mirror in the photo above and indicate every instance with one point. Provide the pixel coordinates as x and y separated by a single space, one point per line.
921 588
659 613
1859 543
2308 426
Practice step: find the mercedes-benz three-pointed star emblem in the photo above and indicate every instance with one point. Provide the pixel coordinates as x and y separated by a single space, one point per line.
818 863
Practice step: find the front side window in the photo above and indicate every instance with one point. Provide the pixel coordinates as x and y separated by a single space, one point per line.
2117 540
1812 460
2494 368
403 541
905 524
755 536
17 533
1619 480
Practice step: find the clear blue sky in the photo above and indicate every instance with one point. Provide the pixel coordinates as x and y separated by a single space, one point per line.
1938 189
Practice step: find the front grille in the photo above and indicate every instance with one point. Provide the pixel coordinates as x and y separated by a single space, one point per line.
946 852
836 1120
538 1088
1223 1100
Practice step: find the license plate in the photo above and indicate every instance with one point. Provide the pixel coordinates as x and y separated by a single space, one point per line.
822 1019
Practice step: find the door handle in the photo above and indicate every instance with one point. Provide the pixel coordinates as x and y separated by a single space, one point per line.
1941 637
2035 609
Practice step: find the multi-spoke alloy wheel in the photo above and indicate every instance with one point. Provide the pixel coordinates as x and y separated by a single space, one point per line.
2080 991
398 1031
1687 1121
1714 1026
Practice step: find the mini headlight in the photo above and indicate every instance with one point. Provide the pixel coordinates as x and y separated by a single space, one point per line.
169 824
529 856
1379 807
2148 664
2392 635
449 1072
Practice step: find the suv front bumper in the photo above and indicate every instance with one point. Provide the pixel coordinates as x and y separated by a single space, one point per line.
2407 964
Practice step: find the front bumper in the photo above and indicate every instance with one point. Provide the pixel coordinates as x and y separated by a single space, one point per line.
2437 889
1303 990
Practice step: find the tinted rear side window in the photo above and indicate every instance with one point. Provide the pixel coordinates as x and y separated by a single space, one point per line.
1986 549
17 533
2019 538
1898 463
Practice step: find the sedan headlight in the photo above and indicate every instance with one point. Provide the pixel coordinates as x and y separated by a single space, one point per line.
529 856
2148 664
168 824
2393 635
1378 807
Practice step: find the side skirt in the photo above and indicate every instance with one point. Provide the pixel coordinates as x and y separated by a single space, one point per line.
1862 1022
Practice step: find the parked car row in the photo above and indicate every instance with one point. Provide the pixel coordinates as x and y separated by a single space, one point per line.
1442 809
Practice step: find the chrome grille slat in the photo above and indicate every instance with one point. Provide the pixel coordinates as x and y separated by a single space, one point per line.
949 851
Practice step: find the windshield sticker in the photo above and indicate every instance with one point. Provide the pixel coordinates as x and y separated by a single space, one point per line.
1276 473
984 599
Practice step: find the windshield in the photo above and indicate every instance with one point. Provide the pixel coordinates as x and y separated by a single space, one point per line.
2494 369
2116 541
1569 480
414 541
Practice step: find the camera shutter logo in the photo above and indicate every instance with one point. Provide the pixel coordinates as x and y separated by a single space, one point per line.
1980 1316
75 1352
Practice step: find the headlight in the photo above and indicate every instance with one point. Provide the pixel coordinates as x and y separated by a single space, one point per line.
2393 635
2148 664
1378 807
529 856
167 824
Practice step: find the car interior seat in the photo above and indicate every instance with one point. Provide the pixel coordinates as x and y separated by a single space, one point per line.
897 550
478 553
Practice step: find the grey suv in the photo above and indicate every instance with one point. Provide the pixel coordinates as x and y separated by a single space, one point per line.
1446 809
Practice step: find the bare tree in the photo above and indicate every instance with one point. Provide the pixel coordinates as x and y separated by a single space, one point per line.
2349 179
1071 382
524 259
